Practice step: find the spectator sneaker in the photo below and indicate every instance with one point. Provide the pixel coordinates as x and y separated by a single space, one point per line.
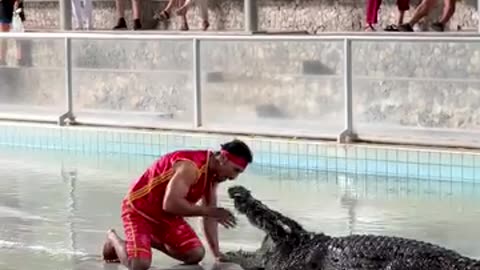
137 25
121 24
406 27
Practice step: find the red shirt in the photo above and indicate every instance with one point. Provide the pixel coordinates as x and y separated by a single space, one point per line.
146 194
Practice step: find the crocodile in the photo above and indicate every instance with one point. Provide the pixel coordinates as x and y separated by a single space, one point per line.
287 245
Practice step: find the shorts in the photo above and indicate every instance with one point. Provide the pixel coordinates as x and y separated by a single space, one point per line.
141 234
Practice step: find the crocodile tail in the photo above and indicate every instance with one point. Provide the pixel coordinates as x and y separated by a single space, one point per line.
276 225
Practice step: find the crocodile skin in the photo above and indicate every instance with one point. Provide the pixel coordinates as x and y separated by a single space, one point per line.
287 245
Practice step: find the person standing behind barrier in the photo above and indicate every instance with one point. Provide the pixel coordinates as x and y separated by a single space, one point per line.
183 7
203 8
121 23
82 10
7 9
373 7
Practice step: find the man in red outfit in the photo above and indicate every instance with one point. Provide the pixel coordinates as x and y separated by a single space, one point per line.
154 208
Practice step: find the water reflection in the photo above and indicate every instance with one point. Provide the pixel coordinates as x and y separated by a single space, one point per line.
348 201
57 208
69 176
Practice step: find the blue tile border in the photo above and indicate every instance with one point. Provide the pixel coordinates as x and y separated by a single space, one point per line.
360 159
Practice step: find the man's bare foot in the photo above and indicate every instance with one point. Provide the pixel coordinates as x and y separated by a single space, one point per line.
109 253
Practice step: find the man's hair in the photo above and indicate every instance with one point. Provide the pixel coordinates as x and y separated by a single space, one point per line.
238 148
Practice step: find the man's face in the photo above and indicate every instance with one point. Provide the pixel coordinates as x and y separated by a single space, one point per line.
227 170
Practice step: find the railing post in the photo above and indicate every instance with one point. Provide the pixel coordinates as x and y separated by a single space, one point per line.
251 15
348 85
347 134
65 7
197 84
68 84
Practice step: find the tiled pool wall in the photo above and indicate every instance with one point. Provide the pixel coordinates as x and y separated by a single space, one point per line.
305 155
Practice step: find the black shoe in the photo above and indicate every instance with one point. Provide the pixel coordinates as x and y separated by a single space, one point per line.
406 27
438 26
391 28
121 24
137 25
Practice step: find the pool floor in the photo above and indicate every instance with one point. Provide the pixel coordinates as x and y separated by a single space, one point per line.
56 207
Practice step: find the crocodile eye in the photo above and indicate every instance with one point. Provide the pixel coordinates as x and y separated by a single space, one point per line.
313 265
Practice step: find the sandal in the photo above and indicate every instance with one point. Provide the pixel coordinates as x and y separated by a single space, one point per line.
369 28
392 28
406 27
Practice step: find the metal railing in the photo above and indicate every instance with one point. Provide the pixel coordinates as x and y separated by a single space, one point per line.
348 133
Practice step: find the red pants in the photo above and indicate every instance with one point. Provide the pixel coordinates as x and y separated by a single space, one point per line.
373 6
141 234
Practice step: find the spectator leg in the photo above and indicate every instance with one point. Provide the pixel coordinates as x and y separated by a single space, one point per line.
372 8
137 25
4 27
120 7
88 9
77 13
136 9
403 6
203 8
448 11
422 10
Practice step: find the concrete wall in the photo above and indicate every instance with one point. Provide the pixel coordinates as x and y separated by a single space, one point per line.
274 15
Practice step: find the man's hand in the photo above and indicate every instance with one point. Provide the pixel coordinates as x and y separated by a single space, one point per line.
223 216
221 258
219 261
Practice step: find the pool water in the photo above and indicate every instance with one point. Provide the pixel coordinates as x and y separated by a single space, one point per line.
56 207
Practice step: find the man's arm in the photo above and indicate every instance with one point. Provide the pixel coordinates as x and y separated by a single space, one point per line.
210 225
175 201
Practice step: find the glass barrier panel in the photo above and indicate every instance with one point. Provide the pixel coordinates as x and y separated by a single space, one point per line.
417 90
32 77
137 80
273 86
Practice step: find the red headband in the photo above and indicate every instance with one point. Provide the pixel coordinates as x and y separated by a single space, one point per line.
241 162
